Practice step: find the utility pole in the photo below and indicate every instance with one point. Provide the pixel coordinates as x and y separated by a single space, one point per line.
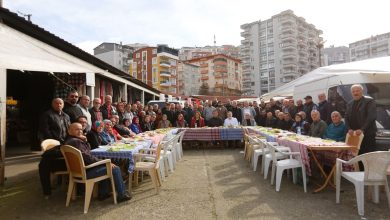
28 16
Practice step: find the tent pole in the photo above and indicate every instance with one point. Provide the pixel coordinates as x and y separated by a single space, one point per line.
3 98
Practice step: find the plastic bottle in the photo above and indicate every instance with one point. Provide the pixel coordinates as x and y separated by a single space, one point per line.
196 125
299 130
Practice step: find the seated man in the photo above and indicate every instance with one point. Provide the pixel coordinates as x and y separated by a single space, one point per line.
78 140
230 120
318 127
248 120
337 129
215 121
120 129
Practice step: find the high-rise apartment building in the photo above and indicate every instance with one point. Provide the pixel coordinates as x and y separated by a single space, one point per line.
156 66
219 75
116 55
278 50
375 46
188 77
336 55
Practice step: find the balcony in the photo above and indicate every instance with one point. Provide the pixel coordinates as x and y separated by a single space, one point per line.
173 83
289 55
288 30
204 71
302 43
290 65
165 63
303 53
165 74
165 83
246 41
220 70
288 47
287 20
204 65
218 76
245 48
203 78
290 74
245 34
220 63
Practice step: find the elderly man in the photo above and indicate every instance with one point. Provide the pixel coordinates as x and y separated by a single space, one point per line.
248 120
308 107
230 120
84 105
189 112
318 127
78 140
292 109
54 122
71 108
270 120
337 129
208 112
96 114
222 111
360 118
215 121
236 112
299 106
324 108
108 109
247 109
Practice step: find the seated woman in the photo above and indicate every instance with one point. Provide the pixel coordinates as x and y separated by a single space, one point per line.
300 126
135 126
107 135
147 125
180 122
127 123
197 121
93 136
164 123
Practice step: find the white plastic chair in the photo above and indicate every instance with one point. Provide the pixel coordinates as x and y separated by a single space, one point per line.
374 174
289 163
179 145
47 145
278 155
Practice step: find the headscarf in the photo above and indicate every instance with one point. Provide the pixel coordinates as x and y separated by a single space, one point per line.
96 125
136 124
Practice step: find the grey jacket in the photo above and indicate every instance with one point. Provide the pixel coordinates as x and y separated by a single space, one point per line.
53 125
318 129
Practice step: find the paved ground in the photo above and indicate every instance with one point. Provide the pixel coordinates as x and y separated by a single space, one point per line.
207 184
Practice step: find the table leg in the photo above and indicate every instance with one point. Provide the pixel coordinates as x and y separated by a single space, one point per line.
327 181
130 183
318 163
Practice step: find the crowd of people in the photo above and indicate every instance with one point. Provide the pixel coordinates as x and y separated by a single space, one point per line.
105 123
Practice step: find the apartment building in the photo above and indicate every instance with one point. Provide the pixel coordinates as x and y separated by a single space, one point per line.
188 76
117 55
278 50
374 46
188 53
219 75
336 55
156 66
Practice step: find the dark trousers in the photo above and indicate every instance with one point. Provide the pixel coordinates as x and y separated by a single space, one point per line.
47 166
368 145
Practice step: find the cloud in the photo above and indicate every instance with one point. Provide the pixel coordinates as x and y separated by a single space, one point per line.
194 22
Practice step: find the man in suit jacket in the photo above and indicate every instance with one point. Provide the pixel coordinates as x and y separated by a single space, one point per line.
360 118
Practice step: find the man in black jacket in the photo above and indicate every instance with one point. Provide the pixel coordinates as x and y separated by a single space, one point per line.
236 112
324 108
360 118
54 122
308 107
108 109
215 121
71 107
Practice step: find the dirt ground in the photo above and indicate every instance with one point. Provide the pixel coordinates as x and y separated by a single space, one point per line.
207 184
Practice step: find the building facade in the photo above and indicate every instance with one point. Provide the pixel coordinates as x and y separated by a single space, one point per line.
278 50
219 75
188 53
156 66
375 46
336 55
188 76
117 55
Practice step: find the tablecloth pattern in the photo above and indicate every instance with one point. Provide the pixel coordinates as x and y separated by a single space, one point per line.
212 134
324 157
102 153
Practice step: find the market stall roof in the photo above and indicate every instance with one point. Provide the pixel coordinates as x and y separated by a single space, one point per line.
26 46
370 66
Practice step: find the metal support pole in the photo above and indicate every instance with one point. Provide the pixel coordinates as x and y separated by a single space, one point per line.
3 98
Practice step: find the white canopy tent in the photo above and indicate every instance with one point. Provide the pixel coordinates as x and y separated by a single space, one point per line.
370 66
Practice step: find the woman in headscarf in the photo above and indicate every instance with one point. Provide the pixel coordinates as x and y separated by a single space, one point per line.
107 134
135 126
93 136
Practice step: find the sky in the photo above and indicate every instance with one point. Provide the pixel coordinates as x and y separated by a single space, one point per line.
178 23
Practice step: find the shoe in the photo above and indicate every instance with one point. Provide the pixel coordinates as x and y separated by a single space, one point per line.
124 198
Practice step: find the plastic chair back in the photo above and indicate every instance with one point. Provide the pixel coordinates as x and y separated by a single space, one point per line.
48 144
74 161
354 140
375 165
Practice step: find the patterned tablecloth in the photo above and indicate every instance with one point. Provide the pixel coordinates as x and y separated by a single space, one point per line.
103 153
212 134
326 157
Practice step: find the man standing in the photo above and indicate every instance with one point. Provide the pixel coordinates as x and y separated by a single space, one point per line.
318 127
107 109
360 118
71 108
222 111
292 109
236 112
308 107
208 112
96 114
54 122
324 108
189 112
83 105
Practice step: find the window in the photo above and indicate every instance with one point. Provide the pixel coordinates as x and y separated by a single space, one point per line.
137 55
154 51
154 60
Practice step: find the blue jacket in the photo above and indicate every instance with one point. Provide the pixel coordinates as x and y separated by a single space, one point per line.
336 133
107 138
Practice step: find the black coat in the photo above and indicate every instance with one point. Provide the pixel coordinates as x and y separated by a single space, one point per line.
53 125
94 139
104 111
73 111
366 116
325 110
215 122
237 114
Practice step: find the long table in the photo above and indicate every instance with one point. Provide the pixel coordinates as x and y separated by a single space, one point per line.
212 133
